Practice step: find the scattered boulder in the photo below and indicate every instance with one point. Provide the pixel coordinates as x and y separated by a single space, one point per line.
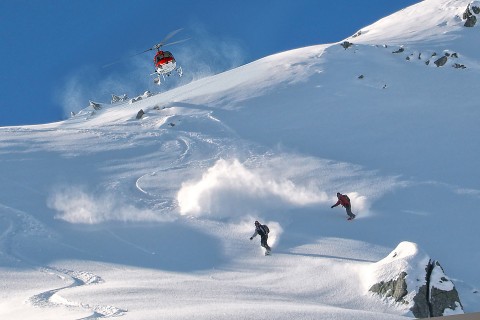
441 62
116 99
94 105
133 100
471 14
359 33
346 44
400 50
417 283
140 114
147 94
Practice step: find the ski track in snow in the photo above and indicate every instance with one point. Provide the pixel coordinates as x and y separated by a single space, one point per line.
183 145
18 222
52 298
186 149
5 236
184 152
15 221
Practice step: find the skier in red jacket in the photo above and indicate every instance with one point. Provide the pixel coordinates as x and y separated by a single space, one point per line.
344 200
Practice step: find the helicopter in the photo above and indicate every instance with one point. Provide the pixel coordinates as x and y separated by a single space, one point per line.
164 62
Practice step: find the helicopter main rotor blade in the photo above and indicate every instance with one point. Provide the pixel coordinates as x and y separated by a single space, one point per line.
126 58
171 34
114 62
157 47
123 59
162 43
175 42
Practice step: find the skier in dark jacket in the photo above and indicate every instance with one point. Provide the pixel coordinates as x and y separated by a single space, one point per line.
344 200
263 231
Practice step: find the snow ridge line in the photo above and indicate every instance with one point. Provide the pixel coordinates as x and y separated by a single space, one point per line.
51 298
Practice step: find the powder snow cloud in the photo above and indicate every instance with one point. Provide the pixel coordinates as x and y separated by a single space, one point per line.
231 188
74 205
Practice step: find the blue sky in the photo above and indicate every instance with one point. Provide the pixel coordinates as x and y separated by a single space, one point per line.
53 52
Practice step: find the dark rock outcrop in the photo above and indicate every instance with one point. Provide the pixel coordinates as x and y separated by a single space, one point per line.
421 305
470 14
443 294
95 105
346 45
441 62
437 295
140 114
425 292
397 289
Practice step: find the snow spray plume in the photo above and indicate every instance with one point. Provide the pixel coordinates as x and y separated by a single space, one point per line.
89 84
76 206
72 96
230 188
205 55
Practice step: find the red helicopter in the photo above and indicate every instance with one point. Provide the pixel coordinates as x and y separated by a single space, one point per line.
164 61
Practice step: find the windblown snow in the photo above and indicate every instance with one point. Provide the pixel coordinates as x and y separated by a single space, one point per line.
105 215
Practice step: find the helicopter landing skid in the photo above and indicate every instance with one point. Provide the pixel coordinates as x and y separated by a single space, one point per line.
158 81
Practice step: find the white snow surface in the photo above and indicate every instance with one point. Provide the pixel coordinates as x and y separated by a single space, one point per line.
103 215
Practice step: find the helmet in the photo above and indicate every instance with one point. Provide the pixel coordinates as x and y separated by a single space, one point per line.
256 222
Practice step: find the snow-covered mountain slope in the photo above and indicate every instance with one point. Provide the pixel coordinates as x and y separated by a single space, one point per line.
430 22
107 215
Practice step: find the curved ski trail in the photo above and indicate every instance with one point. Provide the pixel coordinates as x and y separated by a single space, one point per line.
51 298
15 221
